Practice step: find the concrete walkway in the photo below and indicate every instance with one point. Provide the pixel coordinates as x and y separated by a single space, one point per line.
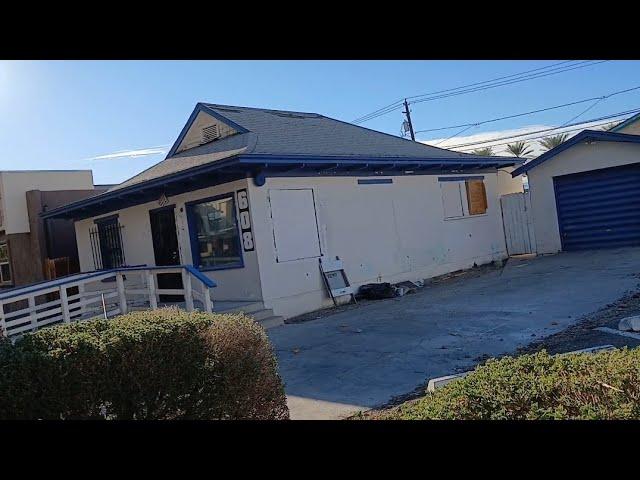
362 358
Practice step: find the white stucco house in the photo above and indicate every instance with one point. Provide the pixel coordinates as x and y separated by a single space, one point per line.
585 192
255 197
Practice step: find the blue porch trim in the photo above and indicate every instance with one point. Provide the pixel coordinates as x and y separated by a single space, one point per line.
47 284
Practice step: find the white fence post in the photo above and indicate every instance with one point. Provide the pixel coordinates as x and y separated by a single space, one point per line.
151 284
32 312
80 298
122 297
3 328
188 293
208 304
64 303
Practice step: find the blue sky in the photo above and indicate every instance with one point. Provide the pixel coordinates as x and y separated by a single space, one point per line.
68 114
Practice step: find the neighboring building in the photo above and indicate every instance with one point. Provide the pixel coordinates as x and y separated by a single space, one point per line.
255 197
630 126
26 241
585 192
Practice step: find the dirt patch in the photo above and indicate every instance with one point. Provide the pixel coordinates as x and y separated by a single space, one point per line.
581 335
576 337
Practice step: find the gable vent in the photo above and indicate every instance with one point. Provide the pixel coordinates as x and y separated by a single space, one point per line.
210 133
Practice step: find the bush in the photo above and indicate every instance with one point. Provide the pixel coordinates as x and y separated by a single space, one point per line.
604 385
157 364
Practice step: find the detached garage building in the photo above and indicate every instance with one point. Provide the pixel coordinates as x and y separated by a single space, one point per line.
585 193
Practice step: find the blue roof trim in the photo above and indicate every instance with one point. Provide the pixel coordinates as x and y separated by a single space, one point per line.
241 166
201 107
471 160
598 136
626 123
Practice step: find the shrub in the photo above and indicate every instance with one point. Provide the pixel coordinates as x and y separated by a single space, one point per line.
604 385
157 364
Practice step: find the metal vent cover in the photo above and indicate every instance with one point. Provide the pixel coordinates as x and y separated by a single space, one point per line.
210 133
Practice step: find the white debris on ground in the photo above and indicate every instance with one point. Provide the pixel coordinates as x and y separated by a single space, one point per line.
630 324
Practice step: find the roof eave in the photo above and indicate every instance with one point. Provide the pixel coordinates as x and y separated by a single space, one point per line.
596 136
195 178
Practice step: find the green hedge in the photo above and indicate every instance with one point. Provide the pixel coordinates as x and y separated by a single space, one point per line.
604 385
159 364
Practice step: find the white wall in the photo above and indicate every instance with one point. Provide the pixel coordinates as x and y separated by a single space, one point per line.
15 185
579 158
382 232
508 184
233 284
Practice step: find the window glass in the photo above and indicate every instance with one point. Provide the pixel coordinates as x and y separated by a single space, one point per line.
216 233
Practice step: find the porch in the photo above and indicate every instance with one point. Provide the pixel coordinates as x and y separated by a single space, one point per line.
108 293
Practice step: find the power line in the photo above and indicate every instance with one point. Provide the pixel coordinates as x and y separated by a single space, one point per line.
464 146
553 69
518 80
471 149
531 112
399 102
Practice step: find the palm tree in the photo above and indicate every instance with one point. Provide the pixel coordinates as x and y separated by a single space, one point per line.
610 125
520 149
485 152
553 141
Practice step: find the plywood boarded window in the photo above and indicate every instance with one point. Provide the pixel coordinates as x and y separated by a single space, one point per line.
295 230
476 197
463 197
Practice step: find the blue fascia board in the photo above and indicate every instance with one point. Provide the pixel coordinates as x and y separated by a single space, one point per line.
580 137
139 187
252 162
201 107
273 159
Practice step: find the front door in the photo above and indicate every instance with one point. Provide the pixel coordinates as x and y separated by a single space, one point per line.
165 250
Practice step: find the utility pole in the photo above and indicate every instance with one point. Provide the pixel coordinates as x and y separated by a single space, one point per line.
408 114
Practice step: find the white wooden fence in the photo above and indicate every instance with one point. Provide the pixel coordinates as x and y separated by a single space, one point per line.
518 223
98 294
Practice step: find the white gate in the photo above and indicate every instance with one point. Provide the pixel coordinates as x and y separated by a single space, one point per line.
518 224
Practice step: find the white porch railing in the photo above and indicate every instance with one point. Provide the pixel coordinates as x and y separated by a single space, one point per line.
99 294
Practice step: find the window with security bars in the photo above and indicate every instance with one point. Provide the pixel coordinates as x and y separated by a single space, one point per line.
5 268
106 244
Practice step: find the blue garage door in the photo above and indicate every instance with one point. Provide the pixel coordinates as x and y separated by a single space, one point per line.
600 208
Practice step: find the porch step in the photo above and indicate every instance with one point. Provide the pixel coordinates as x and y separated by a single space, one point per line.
230 307
255 310
270 322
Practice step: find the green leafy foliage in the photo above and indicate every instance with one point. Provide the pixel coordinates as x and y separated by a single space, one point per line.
519 149
485 151
604 385
553 141
157 364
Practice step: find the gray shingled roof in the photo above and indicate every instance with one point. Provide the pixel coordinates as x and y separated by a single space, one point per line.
281 132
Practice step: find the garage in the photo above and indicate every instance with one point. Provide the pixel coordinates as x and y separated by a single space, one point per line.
599 208
585 193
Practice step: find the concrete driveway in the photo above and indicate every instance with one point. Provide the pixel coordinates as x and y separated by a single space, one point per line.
361 358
